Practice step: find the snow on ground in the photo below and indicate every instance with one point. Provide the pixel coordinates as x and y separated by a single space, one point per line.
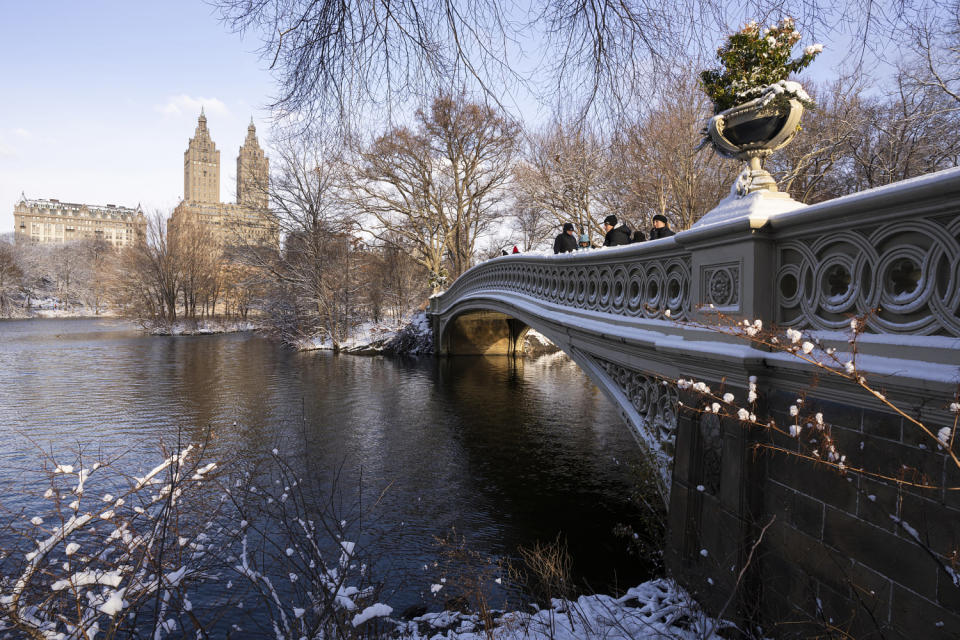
75 312
368 335
655 609
49 307
202 327
412 337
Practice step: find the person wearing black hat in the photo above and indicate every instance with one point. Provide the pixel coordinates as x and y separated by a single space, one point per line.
615 236
661 227
567 240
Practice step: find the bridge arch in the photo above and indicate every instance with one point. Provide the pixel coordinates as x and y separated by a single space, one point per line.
496 325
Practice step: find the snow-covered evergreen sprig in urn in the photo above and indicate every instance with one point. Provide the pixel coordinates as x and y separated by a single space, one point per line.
757 109
756 62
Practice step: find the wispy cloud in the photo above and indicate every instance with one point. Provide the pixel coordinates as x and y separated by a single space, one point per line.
189 105
23 133
7 150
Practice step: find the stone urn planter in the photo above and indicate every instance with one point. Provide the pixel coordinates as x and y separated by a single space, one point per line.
758 111
752 131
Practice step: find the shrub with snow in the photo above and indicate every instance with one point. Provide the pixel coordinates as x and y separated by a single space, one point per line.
756 61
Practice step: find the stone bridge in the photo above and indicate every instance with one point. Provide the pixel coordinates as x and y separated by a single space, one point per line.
867 554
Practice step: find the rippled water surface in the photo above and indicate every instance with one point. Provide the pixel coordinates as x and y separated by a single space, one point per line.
507 452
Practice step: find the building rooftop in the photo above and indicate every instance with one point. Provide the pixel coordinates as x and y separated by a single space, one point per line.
53 203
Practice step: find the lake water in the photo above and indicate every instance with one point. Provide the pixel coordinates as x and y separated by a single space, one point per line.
506 452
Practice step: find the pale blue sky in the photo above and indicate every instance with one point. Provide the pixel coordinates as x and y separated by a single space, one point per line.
100 98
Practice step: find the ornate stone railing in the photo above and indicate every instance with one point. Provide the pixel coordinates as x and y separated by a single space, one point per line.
641 285
903 273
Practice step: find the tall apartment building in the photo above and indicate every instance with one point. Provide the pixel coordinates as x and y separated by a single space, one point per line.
246 222
52 221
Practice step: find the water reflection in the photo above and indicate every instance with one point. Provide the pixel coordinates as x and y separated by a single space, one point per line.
508 452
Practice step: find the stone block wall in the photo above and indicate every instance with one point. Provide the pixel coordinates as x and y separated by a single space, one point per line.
848 555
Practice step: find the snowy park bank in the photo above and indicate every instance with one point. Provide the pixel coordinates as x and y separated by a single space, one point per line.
371 338
200 327
655 609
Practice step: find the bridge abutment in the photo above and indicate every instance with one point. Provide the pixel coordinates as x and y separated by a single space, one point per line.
766 533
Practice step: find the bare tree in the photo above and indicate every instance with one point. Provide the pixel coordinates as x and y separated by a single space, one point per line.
912 131
101 272
437 189
655 168
74 273
564 171
533 221
314 284
934 38
855 141
199 258
151 274
817 165
10 277
333 56
396 284
341 59
69 268
241 286
474 145
393 186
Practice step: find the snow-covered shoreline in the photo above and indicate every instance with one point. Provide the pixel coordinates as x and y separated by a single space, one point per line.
413 338
91 554
655 609
39 312
201 327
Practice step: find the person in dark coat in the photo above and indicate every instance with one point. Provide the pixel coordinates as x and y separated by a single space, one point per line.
616 236
661 227
567 240
638 236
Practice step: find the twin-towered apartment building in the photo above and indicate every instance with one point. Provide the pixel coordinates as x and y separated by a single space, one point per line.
245 222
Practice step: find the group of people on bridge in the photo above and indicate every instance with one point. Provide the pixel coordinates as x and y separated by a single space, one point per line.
615 236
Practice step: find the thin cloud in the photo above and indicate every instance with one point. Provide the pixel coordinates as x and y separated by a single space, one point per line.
23 133
7 150
188 105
